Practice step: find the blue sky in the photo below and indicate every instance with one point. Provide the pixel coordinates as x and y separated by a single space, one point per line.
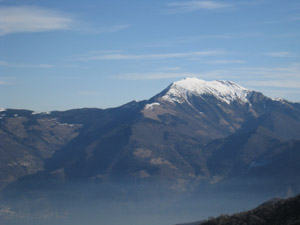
57 55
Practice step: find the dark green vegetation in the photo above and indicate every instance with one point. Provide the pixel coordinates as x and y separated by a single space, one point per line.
279 212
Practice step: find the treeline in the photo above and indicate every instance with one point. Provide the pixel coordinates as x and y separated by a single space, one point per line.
279 212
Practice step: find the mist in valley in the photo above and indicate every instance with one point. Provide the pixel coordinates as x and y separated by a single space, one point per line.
132 205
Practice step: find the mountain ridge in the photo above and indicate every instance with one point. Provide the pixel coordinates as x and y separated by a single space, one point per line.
199 117
155 147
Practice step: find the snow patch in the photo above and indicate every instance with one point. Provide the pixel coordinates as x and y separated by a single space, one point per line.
54 122
225 91
150 106
160 161
2 109
66 124
281 100
42 113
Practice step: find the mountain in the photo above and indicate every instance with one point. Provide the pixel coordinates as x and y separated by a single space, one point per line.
279 211
27 139
166 138
191 130
194 137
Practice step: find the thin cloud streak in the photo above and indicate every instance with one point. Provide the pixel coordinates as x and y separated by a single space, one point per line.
40 66
154 76
279 73
225 62
287 20
280 54
194 39
20 19
104 52
32 19
151 56
276 84
190 6
291 72
114 28
176 68
277 77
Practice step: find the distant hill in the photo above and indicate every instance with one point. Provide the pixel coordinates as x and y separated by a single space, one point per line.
279 212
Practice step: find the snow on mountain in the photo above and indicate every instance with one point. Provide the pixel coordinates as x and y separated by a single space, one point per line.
43 113
150 106
225 91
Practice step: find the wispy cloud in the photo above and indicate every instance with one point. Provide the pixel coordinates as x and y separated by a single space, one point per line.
2 82
154 76
7 80
119 56
175 68
104 52
22 65
290 72
195 5
280 54
20 19
279 77
113 28
175 41
32 19
283 20
190 39
276 83
225 62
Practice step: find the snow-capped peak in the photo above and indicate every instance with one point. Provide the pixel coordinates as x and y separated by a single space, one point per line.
225 91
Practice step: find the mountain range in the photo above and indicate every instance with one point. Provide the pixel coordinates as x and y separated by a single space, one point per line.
192 137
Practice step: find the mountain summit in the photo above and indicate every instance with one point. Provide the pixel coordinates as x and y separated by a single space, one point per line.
225 91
